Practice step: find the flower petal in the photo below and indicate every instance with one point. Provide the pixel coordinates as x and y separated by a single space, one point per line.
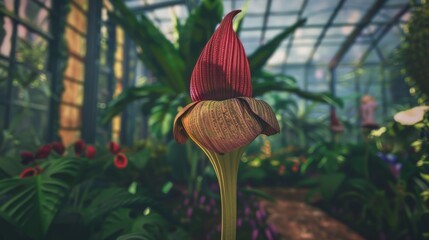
411 116
264 114
221 126
222 71
179 132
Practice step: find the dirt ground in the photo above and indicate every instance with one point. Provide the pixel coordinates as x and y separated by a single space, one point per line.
295 220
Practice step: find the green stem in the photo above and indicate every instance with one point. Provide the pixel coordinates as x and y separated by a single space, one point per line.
226 168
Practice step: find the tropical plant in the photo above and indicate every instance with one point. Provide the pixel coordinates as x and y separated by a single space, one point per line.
59 189
413 52
172 63
378 193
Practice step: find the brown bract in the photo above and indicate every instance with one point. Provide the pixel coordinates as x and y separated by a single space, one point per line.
223 126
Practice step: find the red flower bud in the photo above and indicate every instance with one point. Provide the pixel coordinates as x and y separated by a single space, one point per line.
79 145
28 172
120 161
114 148
90 151
58 148
43 151
26 157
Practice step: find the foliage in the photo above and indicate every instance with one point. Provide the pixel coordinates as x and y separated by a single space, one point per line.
172 64
200 214
77 193
413 52
376 191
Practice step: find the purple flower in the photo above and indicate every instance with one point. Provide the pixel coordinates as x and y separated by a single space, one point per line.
208 208
268 234
246 211
239 222
189 212
202 199
255 234
259 216
273 228
186 202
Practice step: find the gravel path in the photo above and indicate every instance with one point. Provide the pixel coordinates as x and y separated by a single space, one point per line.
295 220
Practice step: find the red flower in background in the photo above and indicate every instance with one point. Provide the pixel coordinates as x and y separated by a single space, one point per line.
43 151
26 157
120 161
28 172
334 123
79 145
114 148
295 167
58 148
282 169
90 151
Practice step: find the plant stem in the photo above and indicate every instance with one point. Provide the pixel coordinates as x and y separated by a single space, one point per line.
226 168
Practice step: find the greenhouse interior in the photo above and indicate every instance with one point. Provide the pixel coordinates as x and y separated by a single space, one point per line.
214 119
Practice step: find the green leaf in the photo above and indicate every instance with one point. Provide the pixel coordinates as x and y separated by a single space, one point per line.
258 193
259 58
157 52
261 87
167 187
330 183
148 93
238 22
31 203
197 31
126 221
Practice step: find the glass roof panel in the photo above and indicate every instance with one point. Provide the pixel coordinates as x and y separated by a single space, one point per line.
319 11
257 7
252 22
281 21
282 15
299 54
280 6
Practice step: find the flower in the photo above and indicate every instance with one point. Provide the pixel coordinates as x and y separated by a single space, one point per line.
43 152
58 148
255 234
114 148
79 145
282 169
335 124
26 157
28 172
223 117
411 116
120 161
90 151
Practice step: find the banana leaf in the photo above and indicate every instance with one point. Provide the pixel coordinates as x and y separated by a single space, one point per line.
196 32
259 58
157 52
147 92
274 85
30 204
